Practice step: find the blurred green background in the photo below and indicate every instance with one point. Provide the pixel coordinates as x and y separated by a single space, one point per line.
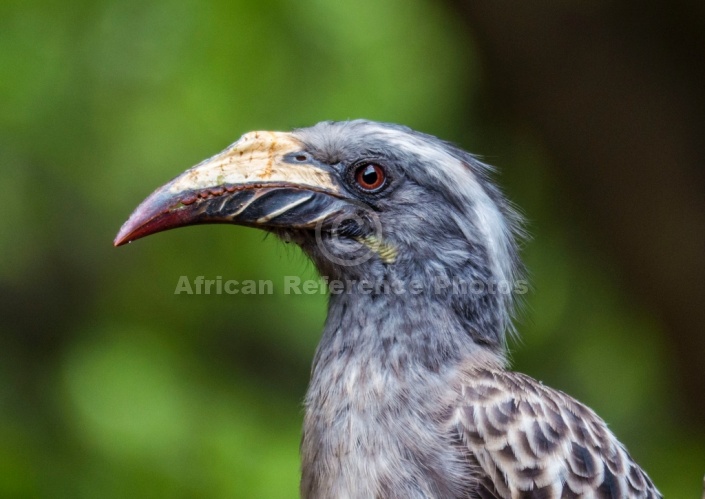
113 386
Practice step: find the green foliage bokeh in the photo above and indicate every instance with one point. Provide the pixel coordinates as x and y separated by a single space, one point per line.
111 385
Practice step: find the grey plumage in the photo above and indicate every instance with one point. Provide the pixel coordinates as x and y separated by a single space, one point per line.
409 395
526 436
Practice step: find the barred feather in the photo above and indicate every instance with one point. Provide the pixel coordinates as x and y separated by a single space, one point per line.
532 441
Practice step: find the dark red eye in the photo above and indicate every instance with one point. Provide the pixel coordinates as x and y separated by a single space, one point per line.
370 177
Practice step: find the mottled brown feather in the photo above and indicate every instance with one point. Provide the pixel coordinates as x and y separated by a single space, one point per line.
531 441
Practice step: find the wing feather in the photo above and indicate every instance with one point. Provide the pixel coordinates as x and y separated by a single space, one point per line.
531 441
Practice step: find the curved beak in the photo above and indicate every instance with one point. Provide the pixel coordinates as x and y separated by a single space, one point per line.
265 179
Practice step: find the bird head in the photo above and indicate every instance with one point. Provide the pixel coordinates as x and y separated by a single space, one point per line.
366 201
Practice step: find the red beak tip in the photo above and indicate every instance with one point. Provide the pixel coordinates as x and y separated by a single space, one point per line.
120 240
125 235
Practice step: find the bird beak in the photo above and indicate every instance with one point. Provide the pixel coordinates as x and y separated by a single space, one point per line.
265 179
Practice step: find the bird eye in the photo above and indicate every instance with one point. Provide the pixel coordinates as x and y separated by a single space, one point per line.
370 177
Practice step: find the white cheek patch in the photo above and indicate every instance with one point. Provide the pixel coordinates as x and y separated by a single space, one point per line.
458 178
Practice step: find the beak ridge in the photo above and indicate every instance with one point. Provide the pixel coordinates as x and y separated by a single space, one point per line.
264 179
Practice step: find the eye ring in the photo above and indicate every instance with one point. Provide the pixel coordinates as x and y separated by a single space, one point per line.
370 177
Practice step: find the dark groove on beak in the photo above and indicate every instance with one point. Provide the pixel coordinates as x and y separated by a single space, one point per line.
265 207
251 183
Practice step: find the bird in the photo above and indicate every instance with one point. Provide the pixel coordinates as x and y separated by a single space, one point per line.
410 393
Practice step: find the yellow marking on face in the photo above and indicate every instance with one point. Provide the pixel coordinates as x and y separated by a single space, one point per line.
386 252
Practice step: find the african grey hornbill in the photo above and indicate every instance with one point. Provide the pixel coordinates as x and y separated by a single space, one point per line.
409 394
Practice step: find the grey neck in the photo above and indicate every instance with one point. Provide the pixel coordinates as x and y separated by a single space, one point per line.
409 326
388 368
